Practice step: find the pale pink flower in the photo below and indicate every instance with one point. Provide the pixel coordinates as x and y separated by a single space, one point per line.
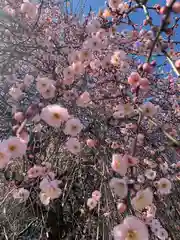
24 136
144 83
83 99
21 194
106 62
150 174
93 26
121 207
68 72
91 142
142 199
4 156
73 127
85 55
164 186
119 187
91 203
29 9
15 93
119 164
124 66
35 171
15 147
148 109
123 110
101 34
54 115
43 84
50 188
93 43
78 68
28 80
73 145
96 195
68 81
44 198
74 57
95 64
49 93
134 79
131 229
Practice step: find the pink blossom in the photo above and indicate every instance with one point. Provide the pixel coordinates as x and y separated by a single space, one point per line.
49 93
35 171
131 229
114 4
68 81
95 64
49 190
83 99
119 164
15 147
78 68
74 57
93 26
4 156
21 194
121 207
119 187
96 195
43 84
28 80
24 136
29 8
144 83
93 43
73 127
142 199
91 203
73 145
15 93
134 79
149 109
91 142
164 186
54 115
68 72
85 55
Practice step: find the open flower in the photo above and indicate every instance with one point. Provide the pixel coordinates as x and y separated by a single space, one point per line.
119 164
29 9
142 199
15 147
49 190
131 229
123 110
4 156
150 174
73 145
96 195
83 99
35 171
54 115
43 84
149 109
164 186
21 194
93 26
78 68
49 93
73 127
119 187
68 72
91 203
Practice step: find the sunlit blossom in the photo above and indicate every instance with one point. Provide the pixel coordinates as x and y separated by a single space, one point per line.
164 186
15 147
131 229
73 127
119 187
142 199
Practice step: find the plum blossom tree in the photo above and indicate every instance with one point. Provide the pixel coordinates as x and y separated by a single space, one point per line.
90 144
